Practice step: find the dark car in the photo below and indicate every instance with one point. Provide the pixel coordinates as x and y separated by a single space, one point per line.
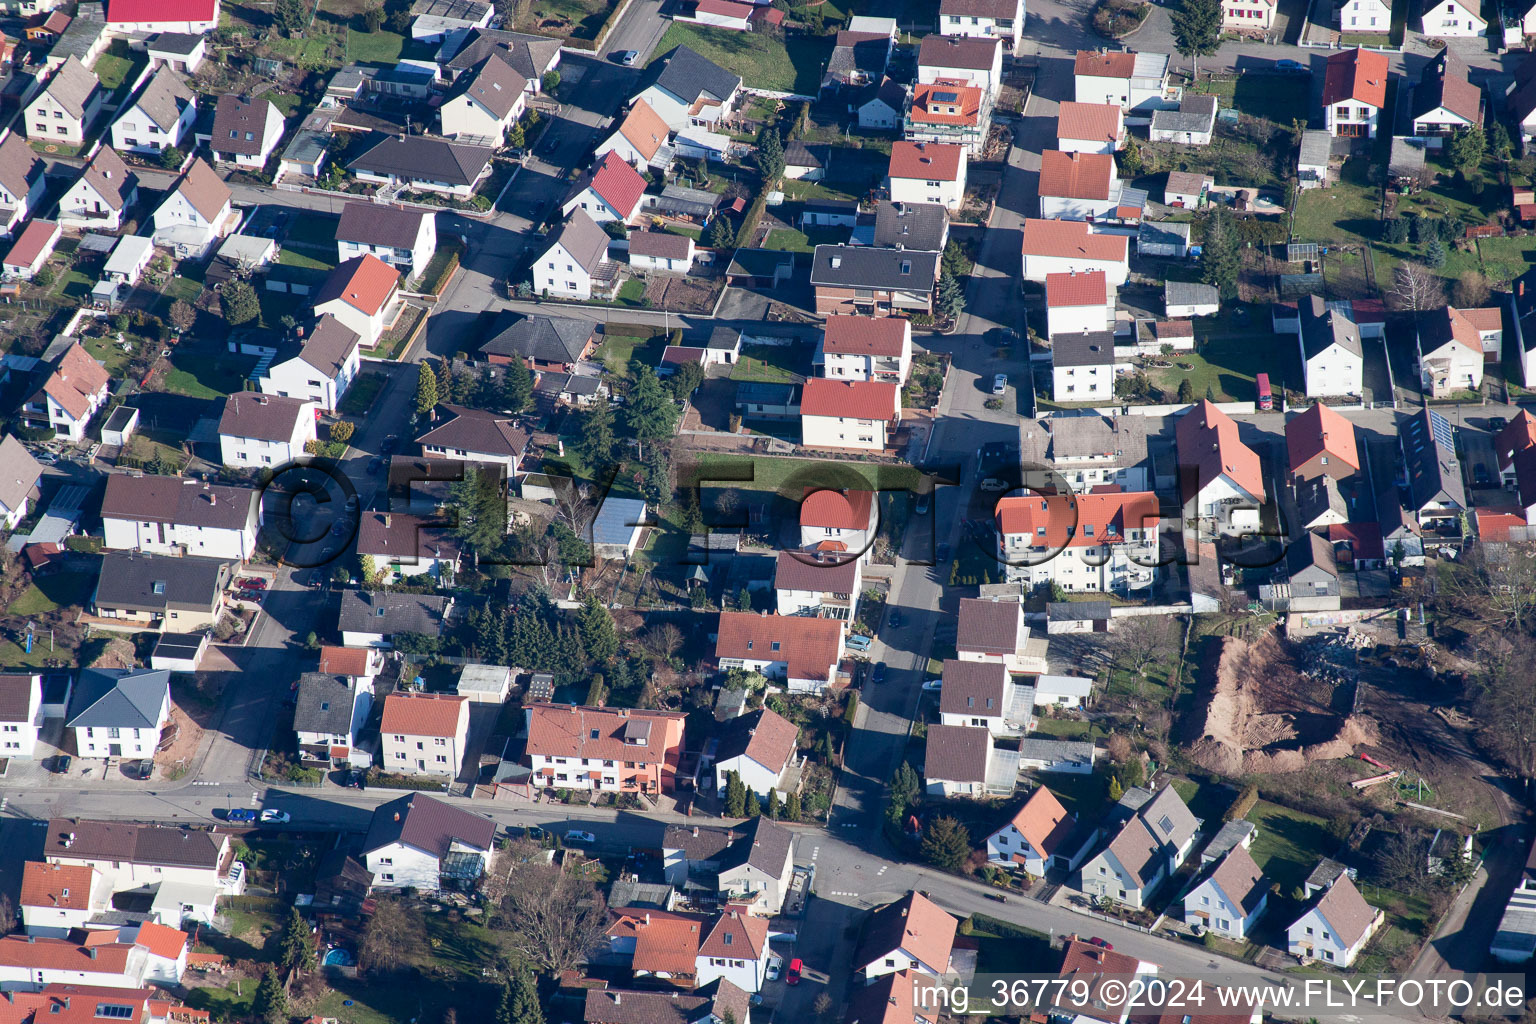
61 764
878 675
1480 476
375 464
390 443
1291 67
340 528
894 619
1497 423
943 554
239 814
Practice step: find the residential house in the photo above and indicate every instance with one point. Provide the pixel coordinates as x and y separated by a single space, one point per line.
1090 977
531 56
1335 926
1070 757
1518 435
1321 442
161 592
21 713
329 717
1219 477
617 527
1104 541
882 106
1454 345
106 973
1150 844
320 368
613 750
475 435
245 131
424 733
1062 247
372 618
1036 838
661 251
640 140
749 864
197 861
1367 16
67 106
821 585
801 650
889 999
1078 303
1078 186
1521 304
21 181
363 293
192 17
73 389
403 238
993 631
758 746
866 348
419 842
927 172
849 414
33 247
259 430
485 102
987 19
1451 19
974 61
57 898
1090 451
865 280
837 522
1186 190
1089 127
717 1003
1194 122
44 25
693 950
1083 366
416 162
570 266
1310 575
180 516
982 695
923 227
859 58
1445 101
405 546
196 212
1249 17
118 712
182 52
951 113
692 90
546 344
1229 896
1436 491
1137 83
1332 359
19 474
98 198
806 163
912 934
1354 91
159 118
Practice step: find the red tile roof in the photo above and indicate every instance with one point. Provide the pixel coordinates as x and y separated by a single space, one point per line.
1364 539
851 399
664 942
74 380
1495 524
1484 318
866 335
423 714
161 10
1320 431
609 734
808 646
62 886
1081 520
1517 435
1209 447
930 161
161 940
1086 968
345 661
826 509
1358 75
725 8
1115 64
37 953
644 129
914 924
617 184
735 935
1043 821
1088 122
1074 289
1068 239
964 108
1076 175
363 282
36 237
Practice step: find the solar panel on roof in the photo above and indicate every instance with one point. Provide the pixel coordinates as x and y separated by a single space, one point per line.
947 97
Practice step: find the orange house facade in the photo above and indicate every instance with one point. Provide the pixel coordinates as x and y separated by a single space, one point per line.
611 750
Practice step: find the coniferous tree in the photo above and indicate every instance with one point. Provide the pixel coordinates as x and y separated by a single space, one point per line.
1221 255
735 796
1197 29
596 444
772 810
650 412
792 807
516 386
298 943
598 635
426 388
271 1003
524 1008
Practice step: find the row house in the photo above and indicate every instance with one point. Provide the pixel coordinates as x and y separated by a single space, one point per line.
1354 92
175 516
1097 542
605 749
801 650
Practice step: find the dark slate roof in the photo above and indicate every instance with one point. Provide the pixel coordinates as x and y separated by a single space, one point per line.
530 56
415 157
550 339
920 226
324 704
867 267
140 581
16 697
427 824
1322 327
1429 460
116 698
372 224
385 612
762 843
689 75
1090 348
84 839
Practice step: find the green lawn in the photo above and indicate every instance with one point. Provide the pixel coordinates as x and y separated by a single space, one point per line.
113 70
772 364
75 284
586 17
1229 360
682 229
286 103
794 240
1505 259
620 354
1004 948
107 352
292 257
790 476
631 292
361 395
1062 728
1288 844
381 47
50 593
1207 801
1271 97
206 376
789 65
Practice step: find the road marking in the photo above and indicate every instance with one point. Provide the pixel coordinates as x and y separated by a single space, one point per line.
815 852
882 870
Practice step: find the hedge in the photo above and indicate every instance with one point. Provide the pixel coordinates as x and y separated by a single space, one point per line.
1243 804
623 330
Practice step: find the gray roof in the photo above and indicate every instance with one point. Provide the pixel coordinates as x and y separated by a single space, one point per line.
1429 460
762 843
920 226
324 704
1229 835
164 97
1153 232
1090 348
1189 293
427 824
386 612
1311 555
372 224
550 339
495 84
1196 113
20 166
1323 327
1320 495
688 75
1031 748
138 581
798 154
72 85
1316 146
19 473
861 266
616 519
84 839
1075 437
182 43
1406 158
107 698
1168 818
79 38
583 239
1150 65
530 56
415 157
1077 611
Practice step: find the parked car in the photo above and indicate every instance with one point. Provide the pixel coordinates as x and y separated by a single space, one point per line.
1496 424
775 965
627 57
576 835
1480 476
795 967
934 685
894 619
923 502
1000 384
274 816
878 675
375 465
61 764
1096 941
390 443
239 814
858 642
251 583
1291 67
943 554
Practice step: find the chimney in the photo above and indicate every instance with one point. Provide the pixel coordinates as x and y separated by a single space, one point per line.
397 815
617 999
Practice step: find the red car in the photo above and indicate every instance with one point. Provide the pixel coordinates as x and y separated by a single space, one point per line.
1096 941
251 583
792 976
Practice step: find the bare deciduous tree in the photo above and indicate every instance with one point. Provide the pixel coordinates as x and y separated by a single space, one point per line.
1416 288
1471 289
555 918
663 640
1506 701
391 935
1142 640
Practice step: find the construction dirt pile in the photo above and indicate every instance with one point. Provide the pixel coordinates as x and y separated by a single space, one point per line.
1263 716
